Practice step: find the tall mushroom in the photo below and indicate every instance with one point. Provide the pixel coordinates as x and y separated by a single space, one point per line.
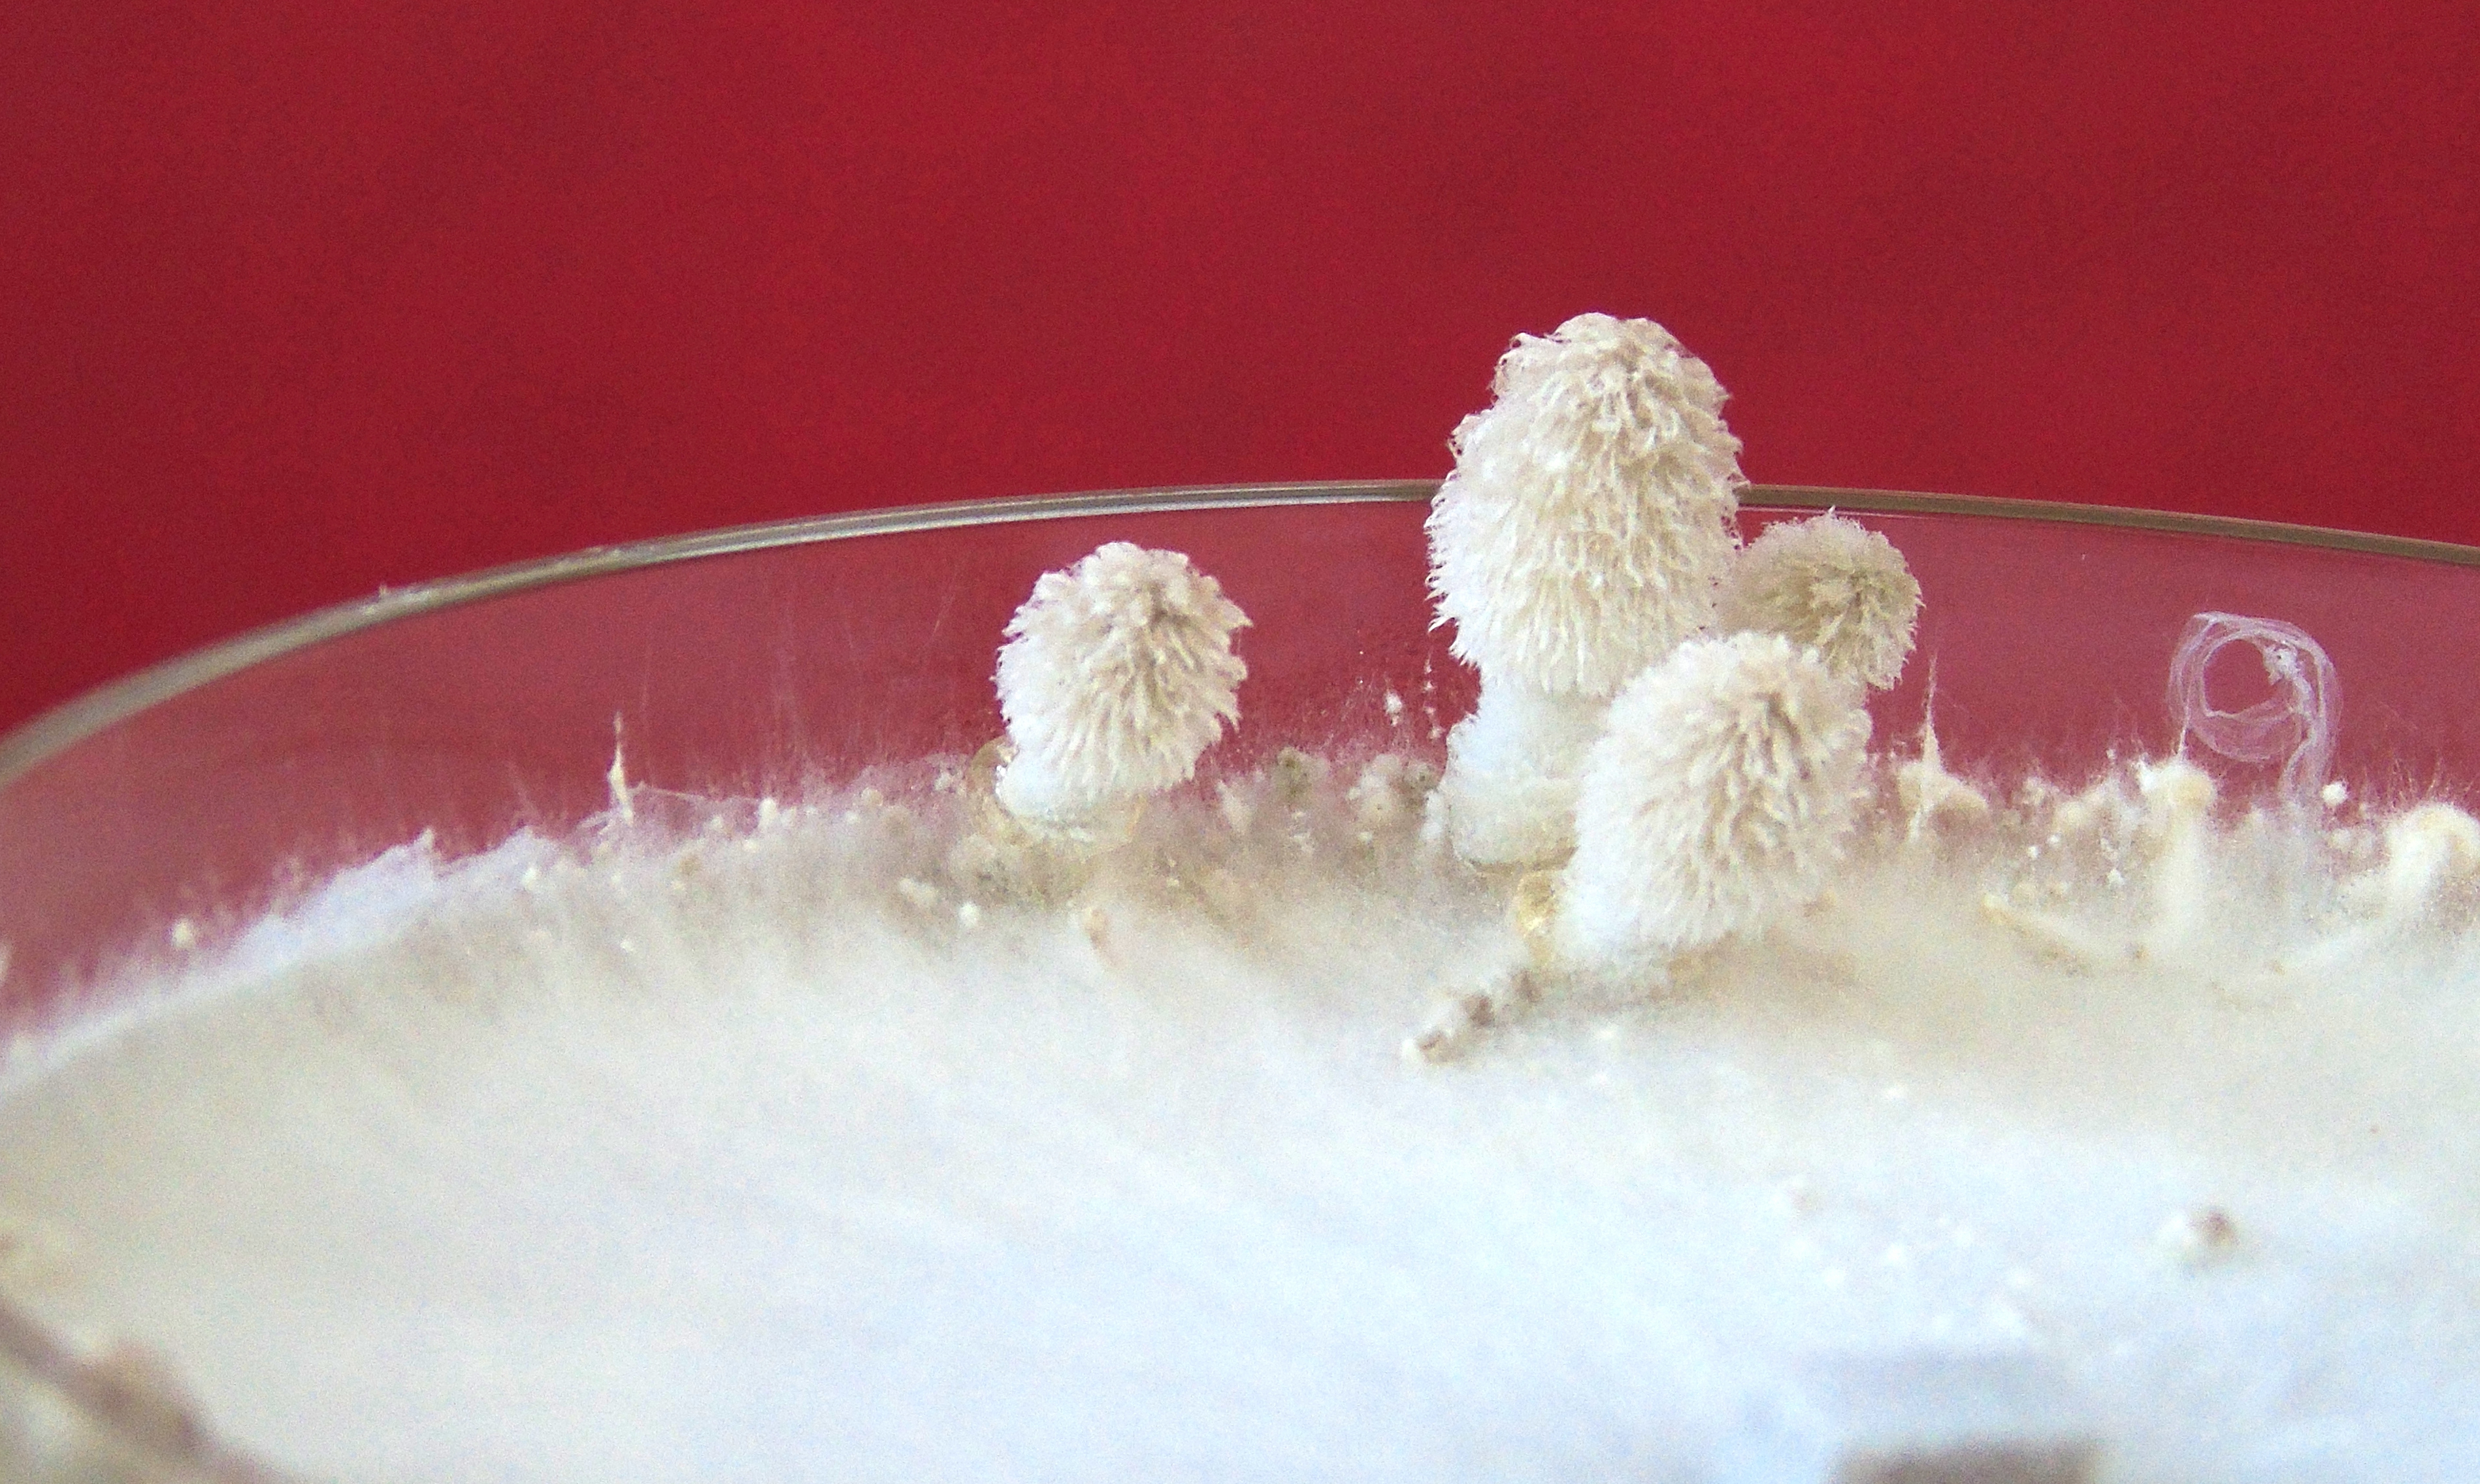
1578 541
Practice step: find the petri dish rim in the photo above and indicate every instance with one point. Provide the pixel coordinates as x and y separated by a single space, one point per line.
64 727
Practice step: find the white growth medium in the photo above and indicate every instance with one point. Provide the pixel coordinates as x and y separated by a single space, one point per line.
1830 583
1117 674
2432 856
1720 794
1590 513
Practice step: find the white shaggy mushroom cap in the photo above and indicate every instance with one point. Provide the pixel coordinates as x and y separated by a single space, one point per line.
1830 583
1720 795
1590 513
1117 674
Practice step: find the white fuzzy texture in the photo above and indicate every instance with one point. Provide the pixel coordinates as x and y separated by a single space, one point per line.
1830 583
1720 795
1509 794
2432 856
1117 674
703 1154
1590 513
1929 795
2177 802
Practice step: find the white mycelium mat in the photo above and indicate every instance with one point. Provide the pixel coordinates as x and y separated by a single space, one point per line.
734 1145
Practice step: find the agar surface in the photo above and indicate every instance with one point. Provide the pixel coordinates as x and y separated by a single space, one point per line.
642 1073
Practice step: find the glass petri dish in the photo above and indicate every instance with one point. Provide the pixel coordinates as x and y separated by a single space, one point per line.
180 805
743 661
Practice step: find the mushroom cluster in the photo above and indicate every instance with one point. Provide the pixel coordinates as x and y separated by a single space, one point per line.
1671 737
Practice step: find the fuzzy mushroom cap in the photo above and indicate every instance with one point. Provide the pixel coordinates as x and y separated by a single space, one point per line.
1832 584
1590 514
1117 674
1720 795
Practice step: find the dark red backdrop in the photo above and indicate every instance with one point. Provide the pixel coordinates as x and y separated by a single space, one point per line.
308 297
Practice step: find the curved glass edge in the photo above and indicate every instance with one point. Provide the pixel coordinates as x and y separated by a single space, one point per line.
73 721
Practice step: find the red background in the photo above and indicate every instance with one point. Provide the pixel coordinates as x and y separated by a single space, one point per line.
307 298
